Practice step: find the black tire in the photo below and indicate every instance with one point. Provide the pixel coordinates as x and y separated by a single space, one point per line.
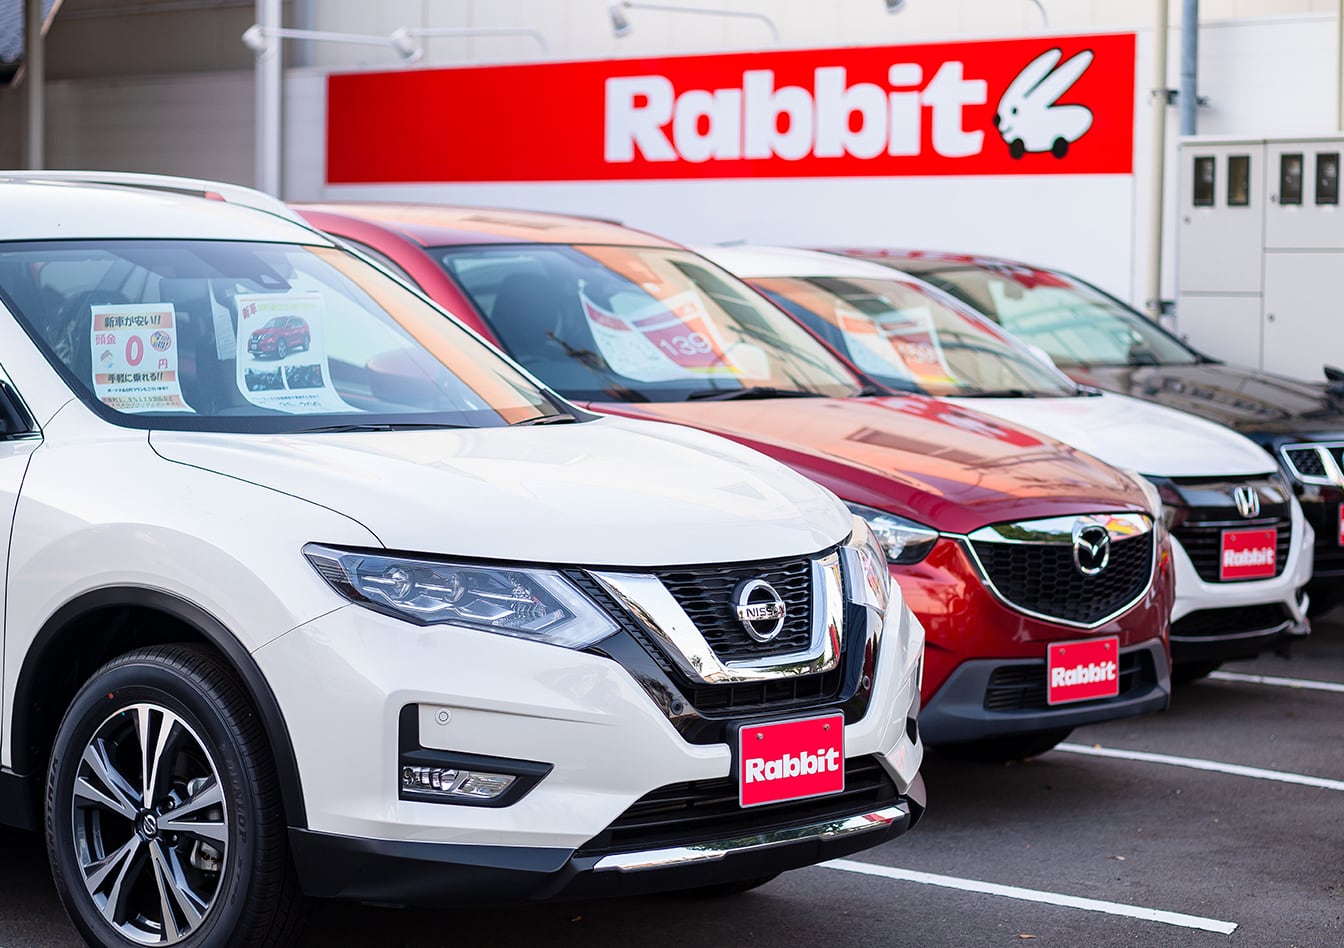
724 889
281 349
1184 673
1016 148
1060 148
998 750
211 837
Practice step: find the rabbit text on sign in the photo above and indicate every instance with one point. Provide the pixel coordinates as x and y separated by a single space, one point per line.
1041 106
745 122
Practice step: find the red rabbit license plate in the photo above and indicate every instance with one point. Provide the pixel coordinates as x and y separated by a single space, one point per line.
789 760
1248 554
1080 671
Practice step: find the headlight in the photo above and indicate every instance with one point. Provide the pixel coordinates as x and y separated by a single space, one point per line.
1150 490
866 567
537 605
902 541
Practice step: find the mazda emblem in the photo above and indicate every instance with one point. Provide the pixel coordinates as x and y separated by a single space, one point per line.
1091 547
1248 501
760 609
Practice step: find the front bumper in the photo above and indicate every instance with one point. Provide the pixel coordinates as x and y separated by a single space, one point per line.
1230 620
974 640
447 874
958 712
610 735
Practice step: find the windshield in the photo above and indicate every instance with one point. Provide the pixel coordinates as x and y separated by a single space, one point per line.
906 338
1074 322
639 324
235 336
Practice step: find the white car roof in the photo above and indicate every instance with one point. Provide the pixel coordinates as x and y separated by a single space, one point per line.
758 262
47 209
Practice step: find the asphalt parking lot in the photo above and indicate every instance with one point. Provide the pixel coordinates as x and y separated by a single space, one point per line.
1216 823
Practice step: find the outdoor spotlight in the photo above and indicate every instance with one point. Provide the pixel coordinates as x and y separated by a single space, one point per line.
620 23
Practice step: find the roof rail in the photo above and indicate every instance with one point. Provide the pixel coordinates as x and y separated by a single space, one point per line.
193 187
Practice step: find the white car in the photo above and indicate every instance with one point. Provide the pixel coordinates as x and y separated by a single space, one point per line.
383 618
1242 549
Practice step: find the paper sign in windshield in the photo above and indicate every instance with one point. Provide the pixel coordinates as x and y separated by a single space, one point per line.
663 341
905 340
282 363
134 348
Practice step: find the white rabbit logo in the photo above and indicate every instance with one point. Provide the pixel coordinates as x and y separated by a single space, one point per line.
1027 117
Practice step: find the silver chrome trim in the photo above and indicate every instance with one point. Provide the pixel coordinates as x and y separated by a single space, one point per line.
714 851
649 601
1285 626
1060 530
1333 477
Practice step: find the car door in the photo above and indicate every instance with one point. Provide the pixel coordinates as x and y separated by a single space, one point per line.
19 437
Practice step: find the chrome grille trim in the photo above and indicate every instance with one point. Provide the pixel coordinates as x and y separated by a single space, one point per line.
655 608
1059 530
1328 455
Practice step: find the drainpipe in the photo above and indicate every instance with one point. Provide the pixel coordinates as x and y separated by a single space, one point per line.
1157 159
1189 97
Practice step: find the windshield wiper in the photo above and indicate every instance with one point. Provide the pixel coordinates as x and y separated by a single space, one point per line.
1000 393
559 418
380 426
760 391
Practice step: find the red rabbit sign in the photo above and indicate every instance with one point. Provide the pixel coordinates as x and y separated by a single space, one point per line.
1062 105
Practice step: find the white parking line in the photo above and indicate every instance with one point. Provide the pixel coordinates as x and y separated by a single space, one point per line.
1195 763
1305 684
1034 895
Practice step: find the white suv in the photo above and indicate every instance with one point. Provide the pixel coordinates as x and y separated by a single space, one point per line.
381 617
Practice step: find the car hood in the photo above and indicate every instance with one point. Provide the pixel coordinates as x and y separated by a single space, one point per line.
1135 434
943 465
1251 402
608 492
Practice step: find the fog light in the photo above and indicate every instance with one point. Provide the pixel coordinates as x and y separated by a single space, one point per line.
449 783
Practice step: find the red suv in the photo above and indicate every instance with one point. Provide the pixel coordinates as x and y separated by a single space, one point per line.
279 337
1042 576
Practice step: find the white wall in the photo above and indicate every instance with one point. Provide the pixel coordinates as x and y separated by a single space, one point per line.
580 29
1267 66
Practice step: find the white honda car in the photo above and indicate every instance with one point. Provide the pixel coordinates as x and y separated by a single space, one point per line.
1242 549
380 617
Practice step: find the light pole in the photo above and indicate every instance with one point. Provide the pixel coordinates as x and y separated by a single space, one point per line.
263 38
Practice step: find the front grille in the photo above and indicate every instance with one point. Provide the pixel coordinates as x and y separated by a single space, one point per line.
1313 462
705 810
1203 543
1043 578
1306 461
706 593
1210 509
717 701
1329 558
1022 687
1211 623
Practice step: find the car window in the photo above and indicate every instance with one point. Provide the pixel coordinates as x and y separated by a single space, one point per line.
226 335
1075 323
908 338
601 323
